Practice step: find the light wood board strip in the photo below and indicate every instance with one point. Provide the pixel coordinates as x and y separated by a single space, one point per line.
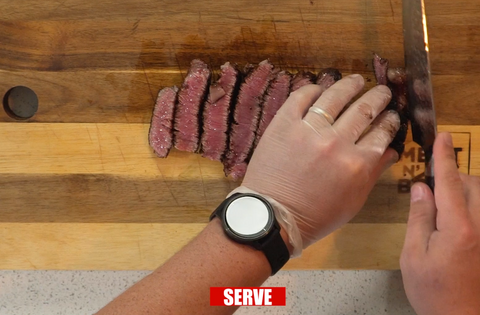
38 246
118 246
99 173
117 149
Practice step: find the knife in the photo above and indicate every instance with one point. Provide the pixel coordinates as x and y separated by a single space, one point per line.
419 84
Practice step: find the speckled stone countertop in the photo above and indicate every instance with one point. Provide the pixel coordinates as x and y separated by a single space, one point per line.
308 292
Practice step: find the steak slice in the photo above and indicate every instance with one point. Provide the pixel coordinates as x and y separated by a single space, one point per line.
398 84
300 79
216 113
327 77
380 67
160 134
398 79
245 119
395 79
191 98
276 95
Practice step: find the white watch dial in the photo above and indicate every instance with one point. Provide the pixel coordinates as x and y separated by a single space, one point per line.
247 216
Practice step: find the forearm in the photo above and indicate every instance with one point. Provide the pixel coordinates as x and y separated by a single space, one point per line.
182 284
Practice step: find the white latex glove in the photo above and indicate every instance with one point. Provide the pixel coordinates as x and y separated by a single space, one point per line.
320 174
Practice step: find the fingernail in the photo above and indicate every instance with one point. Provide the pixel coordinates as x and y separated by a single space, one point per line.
416 193
448 140
394 113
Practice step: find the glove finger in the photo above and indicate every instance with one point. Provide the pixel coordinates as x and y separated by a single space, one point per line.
376 140
362 112
300 101
333 100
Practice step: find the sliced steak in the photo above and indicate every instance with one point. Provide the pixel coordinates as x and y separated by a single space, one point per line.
395 79
300 79
380 67
398 78
398 84
217 111
191 97
276 95
160 135
245 119
327 77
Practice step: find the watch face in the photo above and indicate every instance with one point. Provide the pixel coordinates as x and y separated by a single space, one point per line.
249 217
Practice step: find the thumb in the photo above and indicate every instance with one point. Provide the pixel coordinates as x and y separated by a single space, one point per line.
422 218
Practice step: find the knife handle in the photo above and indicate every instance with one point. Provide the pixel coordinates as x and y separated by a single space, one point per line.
429 177
430 181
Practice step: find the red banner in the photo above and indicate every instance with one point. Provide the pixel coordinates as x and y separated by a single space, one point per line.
248 296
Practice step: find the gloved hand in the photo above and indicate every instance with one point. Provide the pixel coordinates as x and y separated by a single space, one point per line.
319 175
440 260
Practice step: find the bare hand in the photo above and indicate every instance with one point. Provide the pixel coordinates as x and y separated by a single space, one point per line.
440 261
322 173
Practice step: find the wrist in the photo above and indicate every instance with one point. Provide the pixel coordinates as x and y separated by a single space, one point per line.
236 251
289 230
249 219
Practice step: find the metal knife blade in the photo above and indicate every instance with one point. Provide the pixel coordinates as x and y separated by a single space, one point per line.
419 84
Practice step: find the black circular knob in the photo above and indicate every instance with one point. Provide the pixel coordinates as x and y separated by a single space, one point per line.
20 102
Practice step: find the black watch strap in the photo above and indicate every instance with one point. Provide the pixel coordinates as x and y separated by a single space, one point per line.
275 250
272 245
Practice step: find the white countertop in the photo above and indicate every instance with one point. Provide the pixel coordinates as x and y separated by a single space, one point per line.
308 292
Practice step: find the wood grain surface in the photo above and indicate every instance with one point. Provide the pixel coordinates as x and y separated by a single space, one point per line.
108 173
104 61
134 246
81 189
94 196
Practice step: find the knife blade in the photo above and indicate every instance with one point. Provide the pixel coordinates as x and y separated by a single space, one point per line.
419 84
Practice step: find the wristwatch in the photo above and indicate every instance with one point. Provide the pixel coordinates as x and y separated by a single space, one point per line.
249 219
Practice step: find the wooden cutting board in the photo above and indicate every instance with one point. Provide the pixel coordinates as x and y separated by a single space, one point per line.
80 187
